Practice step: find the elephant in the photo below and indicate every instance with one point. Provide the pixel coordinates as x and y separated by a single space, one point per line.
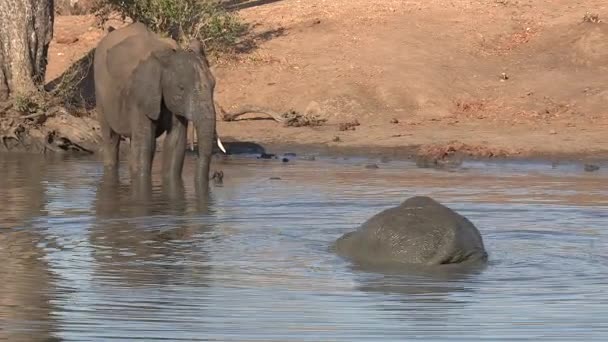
420 232
145 86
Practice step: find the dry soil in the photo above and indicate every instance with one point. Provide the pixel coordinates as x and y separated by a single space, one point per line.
498 77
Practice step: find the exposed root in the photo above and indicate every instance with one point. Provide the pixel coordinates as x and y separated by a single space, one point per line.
290 118
54 130
248 110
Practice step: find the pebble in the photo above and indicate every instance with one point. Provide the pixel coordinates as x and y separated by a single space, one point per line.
591 167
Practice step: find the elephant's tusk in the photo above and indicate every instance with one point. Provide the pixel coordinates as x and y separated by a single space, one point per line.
221 146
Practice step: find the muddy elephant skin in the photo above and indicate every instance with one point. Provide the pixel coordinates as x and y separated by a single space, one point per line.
420 232
145 86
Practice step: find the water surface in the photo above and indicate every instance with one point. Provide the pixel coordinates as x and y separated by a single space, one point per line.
84 261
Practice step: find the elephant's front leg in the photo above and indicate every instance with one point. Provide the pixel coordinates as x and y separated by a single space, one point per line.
110 146
174 149
143 147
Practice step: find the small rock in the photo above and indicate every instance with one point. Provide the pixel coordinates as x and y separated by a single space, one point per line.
394 121
552 131
336 139
267 156
371 166
275 178
316 22
218 177
348 126
591 167
504 76
67 40
285 160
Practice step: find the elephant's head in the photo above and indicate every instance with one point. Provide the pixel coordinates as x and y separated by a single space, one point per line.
185 86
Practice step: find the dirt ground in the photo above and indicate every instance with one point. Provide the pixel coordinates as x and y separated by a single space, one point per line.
502 77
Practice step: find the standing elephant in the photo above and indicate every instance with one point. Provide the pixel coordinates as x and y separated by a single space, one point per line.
419 232
145 86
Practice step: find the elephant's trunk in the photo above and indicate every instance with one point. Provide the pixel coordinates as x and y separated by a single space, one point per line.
205 132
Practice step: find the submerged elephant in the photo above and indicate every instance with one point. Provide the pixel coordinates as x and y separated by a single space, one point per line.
145 86
418 232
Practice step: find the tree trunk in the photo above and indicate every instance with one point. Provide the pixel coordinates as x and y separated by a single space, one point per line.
26 30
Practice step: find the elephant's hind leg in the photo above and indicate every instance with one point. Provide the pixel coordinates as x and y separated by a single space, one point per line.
174 149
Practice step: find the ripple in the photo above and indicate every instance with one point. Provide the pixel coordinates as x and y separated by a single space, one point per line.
254 264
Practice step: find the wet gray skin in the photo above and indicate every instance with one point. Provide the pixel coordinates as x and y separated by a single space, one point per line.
420 231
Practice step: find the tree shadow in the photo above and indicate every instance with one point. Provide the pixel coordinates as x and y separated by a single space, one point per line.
29 290
235 5
252 40
75 87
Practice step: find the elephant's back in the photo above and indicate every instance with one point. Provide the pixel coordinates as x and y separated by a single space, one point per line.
116 57
114 38
107 86
419 231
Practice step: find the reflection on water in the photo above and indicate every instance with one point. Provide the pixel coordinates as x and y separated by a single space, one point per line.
86 261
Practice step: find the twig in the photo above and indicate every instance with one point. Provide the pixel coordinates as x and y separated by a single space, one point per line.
49 113
31 116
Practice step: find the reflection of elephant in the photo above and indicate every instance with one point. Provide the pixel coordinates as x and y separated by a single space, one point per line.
420 231
145 86
139 236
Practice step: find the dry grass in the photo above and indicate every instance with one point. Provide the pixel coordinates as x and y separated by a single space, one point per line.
348 126
295 119
454 148
592 18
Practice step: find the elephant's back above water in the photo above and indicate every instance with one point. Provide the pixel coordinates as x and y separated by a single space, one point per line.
117 55
419 231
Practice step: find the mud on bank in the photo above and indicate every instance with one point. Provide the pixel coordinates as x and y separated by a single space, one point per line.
495 80
59 132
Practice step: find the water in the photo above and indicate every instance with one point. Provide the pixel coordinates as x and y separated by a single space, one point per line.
83 262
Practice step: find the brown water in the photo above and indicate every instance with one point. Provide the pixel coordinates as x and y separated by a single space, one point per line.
82 262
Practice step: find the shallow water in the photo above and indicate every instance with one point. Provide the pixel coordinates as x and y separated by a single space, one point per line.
84 262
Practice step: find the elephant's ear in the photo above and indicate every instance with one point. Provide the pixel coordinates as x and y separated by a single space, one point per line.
144 87
195 46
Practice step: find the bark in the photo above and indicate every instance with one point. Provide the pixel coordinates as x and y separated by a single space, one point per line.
26 30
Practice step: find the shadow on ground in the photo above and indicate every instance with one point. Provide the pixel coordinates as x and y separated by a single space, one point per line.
76 86
235 5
